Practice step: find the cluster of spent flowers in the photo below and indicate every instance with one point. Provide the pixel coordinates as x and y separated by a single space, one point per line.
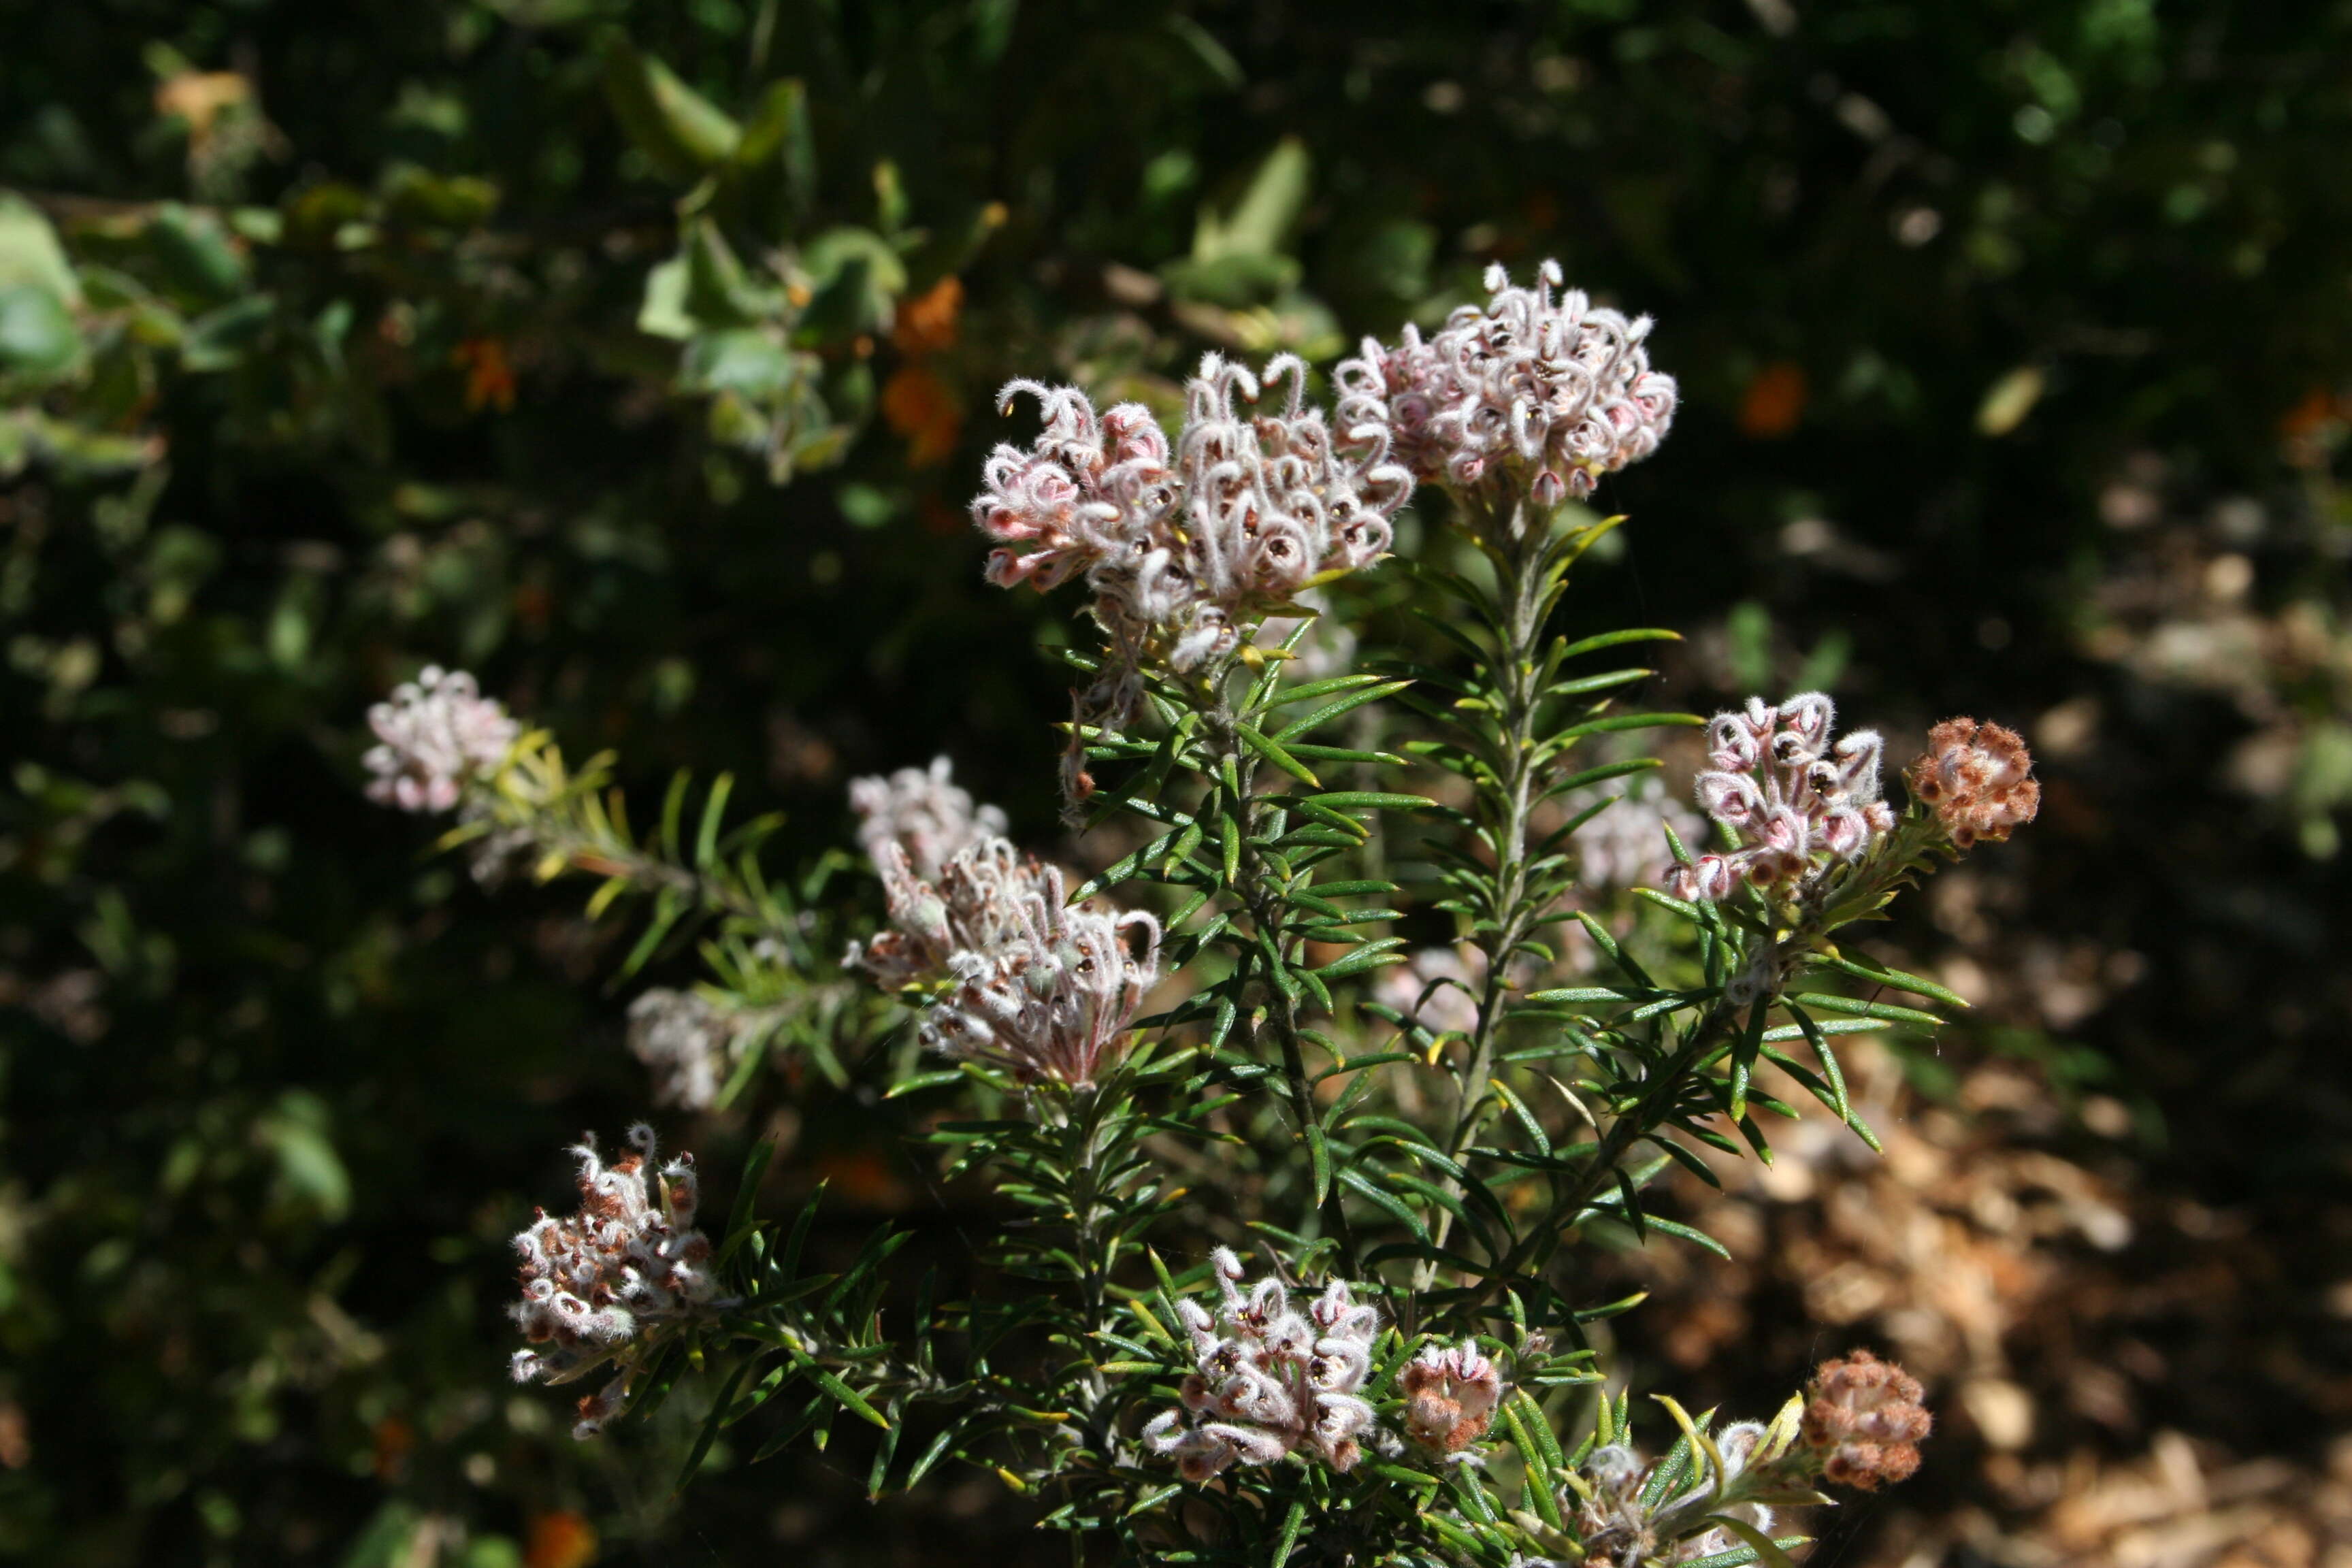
1027 983
436 734
1796 803
1620 1521
1536 393
1276 1380
685 1042
924 812
629 1261
1864 1420
1450 1396
1979 780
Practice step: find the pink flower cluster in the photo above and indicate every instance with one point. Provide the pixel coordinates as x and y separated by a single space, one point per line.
1450 1396
628 1260
1796 802
1181 547
1032 985
1546 389
924 810
1275 1382
436 734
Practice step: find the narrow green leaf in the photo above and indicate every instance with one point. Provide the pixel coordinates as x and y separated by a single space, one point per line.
1273 752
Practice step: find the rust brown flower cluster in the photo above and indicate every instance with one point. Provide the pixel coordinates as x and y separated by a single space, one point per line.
1978 777
1864 1417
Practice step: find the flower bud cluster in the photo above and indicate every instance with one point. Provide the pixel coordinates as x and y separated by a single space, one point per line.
924 811
627 1263
1796 802
1030 984
1276 1381
1979 779
1181 546
436 734
1865 1419
685 1042
1534 393
1450 1396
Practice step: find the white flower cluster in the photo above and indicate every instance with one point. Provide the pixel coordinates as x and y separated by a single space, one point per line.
685 1042
1796 802
925 811
1041 989
1181 547
1550 390
1625 844
436 734
1275 1382
629 1260
1451 1395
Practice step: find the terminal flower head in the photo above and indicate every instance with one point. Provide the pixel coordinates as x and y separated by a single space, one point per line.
595 1283
1797 802
1271 1378
436 734
923 811
1450 1396
1538 392
1979 778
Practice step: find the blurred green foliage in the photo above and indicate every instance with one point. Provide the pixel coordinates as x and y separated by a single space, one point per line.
640 357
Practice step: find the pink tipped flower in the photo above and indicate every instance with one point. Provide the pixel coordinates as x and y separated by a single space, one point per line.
1538 392
1798 803
438 734
1274 1381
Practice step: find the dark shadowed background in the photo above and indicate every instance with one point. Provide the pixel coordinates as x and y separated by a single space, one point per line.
641 358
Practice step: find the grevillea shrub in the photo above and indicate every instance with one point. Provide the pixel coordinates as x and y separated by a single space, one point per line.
1295 1210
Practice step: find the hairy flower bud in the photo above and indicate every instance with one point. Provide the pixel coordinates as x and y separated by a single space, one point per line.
1979 780
1450 1396
1276 1380
1863 1418
436 734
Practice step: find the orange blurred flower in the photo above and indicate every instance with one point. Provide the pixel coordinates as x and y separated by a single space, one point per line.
1774 401
2318 407
920 406
394 1438
559 1540
489 375
927 321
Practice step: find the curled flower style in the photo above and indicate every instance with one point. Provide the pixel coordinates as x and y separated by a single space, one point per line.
685 1042
595 1284
1979 780
1535 391
1276 1380
924 812
437 733
1182 546
1450 1396
1797 803
1056 995
1865 1419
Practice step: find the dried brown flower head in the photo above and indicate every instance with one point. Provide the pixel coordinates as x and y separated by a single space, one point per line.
1979 779
1863 1416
